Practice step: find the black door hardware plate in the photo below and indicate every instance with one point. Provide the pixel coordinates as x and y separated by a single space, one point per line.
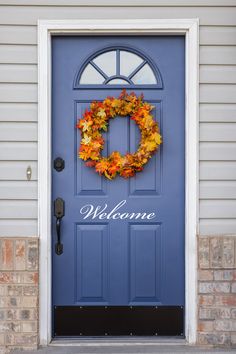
59 164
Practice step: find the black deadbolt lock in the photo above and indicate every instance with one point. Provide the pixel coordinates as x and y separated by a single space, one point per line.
59 164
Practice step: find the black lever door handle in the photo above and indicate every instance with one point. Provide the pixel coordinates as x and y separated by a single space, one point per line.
59 212
58 245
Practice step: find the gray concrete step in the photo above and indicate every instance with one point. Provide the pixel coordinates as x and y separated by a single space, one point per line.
133 346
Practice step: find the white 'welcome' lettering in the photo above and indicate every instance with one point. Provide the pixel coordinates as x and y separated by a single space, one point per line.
89 210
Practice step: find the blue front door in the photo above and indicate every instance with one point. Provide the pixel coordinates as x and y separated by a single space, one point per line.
118 264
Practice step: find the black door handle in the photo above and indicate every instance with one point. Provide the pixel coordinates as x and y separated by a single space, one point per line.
59 212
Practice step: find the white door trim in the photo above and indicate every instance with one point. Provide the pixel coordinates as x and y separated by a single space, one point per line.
187 27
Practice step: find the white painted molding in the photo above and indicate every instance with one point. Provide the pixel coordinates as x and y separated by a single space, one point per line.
187 27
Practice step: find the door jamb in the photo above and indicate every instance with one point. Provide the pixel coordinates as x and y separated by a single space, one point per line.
187 27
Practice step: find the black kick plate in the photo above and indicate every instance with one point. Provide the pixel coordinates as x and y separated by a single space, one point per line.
118 321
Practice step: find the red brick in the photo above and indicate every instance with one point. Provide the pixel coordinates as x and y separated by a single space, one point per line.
224 274
32 255
10 326
203 253
3 302
208 313
31 278
7 255
228 252
233 338
233 288
225 325
10 277
29 301
20 255
14 290
233 313
14 301
2 342
17 277
224 312
205 326
214 287
214 339
24 339
206 300
30 290
29 327
205 274
225 300
12 314
216 252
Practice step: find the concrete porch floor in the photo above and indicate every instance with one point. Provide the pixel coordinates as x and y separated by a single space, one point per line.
94 346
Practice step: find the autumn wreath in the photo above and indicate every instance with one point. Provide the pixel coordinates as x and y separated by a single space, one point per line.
95 120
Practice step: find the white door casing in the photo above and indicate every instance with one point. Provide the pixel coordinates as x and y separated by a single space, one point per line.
190 29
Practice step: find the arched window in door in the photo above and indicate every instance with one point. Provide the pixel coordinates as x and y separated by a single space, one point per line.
118 67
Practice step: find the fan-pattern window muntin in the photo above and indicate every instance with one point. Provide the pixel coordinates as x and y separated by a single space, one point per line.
118 67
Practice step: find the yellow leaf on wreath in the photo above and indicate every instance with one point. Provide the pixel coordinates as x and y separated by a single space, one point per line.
150 145
86 125
157 138
86 139
102 166
83 155
101 113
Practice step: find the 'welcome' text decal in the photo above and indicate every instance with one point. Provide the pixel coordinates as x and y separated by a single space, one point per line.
89 211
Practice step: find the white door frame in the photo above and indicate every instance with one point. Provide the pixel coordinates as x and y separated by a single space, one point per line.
187 27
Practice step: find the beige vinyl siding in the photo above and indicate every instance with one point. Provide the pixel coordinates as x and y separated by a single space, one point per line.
18 112
19 73
28 15
20 150
18 101
15 170
17 227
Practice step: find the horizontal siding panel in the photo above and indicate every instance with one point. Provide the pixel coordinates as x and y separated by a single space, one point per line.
26 131
18 151
218 74
18 54
210 209
15 112
217 93
19 190
209 35
17 228
18 73
218 132
217 227
18 34
215 112
218 55
217 35
217 151
18 93
217 189
218 170
120 2
28 15
18 209
16 170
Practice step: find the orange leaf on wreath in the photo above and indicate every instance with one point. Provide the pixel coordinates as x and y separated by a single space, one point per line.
101 166
95 121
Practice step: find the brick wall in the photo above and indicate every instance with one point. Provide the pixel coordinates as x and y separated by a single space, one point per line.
18 293
217 291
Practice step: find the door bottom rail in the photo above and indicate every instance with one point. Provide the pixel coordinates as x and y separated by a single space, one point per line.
75 321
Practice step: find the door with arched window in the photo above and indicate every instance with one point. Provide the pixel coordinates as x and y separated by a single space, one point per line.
115 270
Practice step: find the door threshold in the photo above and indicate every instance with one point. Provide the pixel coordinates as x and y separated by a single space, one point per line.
116 341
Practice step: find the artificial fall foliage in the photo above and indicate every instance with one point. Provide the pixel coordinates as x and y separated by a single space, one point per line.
95 121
